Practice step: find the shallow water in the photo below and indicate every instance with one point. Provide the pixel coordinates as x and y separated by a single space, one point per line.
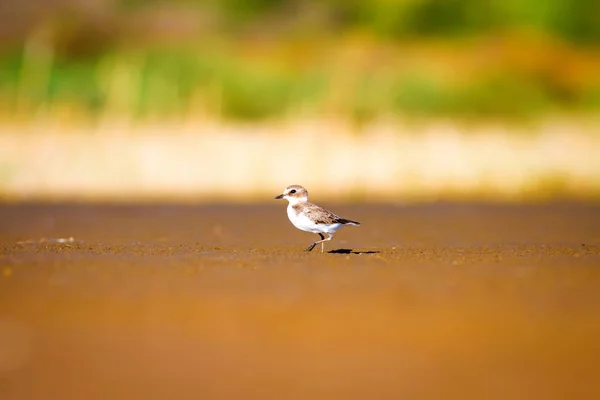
170 301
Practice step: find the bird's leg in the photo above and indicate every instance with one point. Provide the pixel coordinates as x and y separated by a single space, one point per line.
325 240
321 241
312 246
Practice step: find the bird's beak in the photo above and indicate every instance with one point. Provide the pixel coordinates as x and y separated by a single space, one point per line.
279 197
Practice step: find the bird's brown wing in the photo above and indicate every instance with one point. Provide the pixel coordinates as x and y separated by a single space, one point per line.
321 215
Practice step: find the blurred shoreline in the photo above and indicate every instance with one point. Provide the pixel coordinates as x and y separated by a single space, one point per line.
392 161
229 100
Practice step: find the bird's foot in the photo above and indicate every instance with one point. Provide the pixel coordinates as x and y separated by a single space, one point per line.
309 248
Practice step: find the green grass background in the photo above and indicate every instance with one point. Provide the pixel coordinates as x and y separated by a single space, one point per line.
267 59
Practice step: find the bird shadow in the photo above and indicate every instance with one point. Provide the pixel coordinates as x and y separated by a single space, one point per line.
350 251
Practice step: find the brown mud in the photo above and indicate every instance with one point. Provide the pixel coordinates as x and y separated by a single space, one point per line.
205 302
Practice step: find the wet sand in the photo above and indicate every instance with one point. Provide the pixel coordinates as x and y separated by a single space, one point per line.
210 302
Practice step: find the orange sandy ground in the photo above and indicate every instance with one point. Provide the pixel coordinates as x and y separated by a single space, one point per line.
210 302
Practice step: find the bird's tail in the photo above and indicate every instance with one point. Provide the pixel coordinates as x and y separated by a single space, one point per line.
348 222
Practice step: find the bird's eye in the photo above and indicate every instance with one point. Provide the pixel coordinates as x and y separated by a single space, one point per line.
292 191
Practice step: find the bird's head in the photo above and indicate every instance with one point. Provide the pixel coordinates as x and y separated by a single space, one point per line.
294 194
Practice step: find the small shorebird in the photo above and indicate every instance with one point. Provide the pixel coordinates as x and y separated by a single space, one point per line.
310 217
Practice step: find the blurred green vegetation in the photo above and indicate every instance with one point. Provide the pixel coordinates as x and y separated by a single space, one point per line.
249 60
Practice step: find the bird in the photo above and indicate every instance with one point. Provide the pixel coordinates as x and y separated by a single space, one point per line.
310 217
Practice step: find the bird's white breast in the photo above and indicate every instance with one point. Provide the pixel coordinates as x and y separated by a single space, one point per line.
302 222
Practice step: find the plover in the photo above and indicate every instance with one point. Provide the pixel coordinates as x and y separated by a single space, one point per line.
310 217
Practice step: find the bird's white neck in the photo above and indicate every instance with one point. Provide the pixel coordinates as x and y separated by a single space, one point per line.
297 200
